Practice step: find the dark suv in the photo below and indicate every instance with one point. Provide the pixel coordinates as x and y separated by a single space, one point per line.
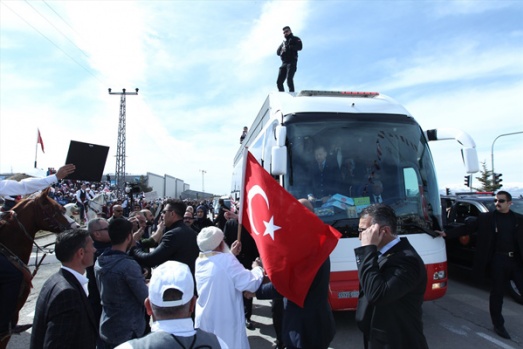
460 251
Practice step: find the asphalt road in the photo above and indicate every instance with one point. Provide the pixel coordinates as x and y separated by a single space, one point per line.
458 320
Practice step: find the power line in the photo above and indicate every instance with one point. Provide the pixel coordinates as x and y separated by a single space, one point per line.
63 20
52 42
57 29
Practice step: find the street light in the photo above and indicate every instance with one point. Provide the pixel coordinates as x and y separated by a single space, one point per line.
203 182
492 151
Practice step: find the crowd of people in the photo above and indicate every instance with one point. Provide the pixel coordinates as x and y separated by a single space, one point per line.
118 294
171 276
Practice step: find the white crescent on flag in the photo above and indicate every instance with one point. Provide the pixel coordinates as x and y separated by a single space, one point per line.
270 228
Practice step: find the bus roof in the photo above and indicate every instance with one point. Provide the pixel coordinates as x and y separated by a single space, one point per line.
334 101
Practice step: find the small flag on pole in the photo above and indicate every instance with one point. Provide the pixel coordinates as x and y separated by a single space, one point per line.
40 141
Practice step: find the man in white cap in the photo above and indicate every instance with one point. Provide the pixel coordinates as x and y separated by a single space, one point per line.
171 302
221 281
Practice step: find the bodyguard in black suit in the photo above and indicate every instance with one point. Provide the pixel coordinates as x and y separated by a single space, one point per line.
499 252
392 283
63 315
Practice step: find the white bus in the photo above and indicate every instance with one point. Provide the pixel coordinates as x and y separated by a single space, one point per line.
367 141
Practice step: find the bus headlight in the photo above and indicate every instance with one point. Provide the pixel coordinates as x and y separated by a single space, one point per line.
439 285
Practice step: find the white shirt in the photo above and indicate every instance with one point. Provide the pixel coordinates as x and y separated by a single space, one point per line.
81 278
88 195
25 186
177 327
220 281
388 246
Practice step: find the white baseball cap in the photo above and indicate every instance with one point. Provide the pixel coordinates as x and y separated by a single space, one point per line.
168 275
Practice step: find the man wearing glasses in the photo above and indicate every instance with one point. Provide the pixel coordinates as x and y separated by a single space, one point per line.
288 52
499 251
178 242
188 219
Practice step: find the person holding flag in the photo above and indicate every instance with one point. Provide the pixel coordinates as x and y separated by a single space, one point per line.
294 245
220 282
311 326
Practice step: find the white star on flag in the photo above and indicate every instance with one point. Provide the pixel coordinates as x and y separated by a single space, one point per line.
270 228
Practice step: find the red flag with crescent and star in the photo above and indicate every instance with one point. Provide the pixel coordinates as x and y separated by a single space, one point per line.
293 242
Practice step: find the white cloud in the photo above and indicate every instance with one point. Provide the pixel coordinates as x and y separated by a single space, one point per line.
459 61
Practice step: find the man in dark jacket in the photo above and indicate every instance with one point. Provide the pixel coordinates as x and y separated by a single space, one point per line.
310 327
499 251
288 51
63 315
392 283
178 242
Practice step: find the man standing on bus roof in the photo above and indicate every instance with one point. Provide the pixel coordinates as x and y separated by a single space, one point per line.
288 52
499 252
392 283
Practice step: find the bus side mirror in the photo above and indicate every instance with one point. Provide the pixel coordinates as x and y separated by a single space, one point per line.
279 160
281 135
470 160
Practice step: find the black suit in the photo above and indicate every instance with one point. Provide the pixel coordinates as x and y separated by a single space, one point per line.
325 181
177 244
491 258
389 306
310 327
63 315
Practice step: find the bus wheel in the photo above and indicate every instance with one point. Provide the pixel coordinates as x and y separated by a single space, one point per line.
514 292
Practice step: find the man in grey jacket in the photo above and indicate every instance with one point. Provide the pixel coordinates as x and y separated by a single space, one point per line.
171 303
122 288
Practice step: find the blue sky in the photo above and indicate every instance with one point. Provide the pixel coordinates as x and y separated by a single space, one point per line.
204 69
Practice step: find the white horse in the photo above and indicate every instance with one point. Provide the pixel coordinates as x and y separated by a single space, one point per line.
92 209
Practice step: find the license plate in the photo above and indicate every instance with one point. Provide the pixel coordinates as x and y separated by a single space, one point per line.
348 294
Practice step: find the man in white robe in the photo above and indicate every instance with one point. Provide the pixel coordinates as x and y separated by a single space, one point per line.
221 281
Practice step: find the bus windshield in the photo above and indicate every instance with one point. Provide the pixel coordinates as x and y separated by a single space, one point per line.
345 162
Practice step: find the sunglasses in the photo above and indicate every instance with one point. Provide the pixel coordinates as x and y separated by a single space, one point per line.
501 201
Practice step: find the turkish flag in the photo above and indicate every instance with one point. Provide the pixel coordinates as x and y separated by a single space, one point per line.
40 141
293 242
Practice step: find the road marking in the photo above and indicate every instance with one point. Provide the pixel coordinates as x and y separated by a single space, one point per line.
494 340
451 328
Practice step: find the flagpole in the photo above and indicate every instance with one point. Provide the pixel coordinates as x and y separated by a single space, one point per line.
242 192
36 147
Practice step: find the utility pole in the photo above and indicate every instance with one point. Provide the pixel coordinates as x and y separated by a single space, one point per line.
203 183
119 173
